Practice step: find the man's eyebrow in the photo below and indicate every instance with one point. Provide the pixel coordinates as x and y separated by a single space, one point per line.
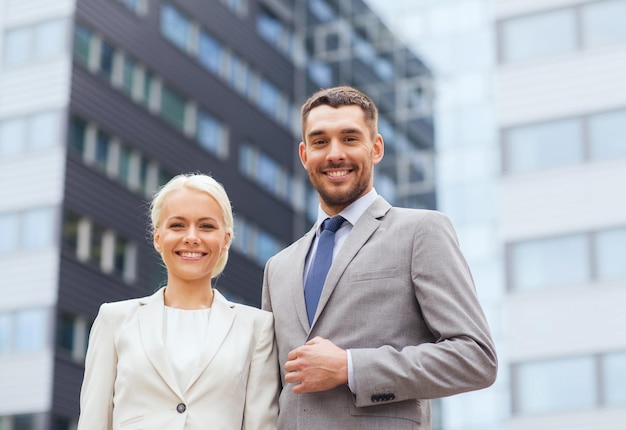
314 133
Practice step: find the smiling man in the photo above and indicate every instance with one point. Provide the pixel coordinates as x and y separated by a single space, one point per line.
395 320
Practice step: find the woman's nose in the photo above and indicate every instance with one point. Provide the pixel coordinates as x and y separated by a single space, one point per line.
191 236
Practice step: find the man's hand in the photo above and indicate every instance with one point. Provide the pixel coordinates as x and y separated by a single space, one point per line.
318 365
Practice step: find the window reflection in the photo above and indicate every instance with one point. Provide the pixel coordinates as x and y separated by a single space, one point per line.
614 381
607 134
545 145
557 385
539 35
30 329
611 249
550 262
603 23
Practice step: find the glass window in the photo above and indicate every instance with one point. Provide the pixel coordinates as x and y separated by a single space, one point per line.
70 231
124 165
210 52
82 44
545 145
24 422
321 10
550 262
557 385
128 76
17 46
321 73
38 228
611 249
107 52
269 98
119 257
9 227
175 27
210 134
49 39
607 134
266 247
148 79
603 23
144 176
101 157
78 129
539 35
614 379
269 27
65 333
12 136
137 6
6 328
96 243
173 108
30 329
44 130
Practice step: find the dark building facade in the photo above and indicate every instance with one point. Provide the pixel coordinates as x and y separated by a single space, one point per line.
133 92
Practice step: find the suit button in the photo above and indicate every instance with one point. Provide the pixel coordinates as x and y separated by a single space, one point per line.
181 407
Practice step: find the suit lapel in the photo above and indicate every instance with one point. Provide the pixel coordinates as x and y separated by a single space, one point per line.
297 285
367 224
220 322
150 317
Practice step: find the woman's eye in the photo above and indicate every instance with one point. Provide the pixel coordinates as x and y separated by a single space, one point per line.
207 226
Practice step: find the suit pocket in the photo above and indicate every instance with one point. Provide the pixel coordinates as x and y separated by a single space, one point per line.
135 422
408 410
373 274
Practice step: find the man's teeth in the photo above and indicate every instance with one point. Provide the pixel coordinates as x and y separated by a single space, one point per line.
338 173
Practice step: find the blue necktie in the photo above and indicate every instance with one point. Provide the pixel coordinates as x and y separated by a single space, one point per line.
321 263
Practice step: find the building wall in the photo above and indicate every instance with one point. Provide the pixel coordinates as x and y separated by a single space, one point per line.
573 321
32 178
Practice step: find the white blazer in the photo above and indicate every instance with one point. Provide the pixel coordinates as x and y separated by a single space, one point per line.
129 382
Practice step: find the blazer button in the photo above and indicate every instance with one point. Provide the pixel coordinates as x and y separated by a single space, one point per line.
181 407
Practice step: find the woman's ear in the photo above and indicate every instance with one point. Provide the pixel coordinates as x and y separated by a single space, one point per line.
227 242
155 240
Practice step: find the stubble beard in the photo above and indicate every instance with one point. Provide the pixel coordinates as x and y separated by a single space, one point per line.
334 197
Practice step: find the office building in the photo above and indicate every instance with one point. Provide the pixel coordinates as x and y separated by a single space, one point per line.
531 165
102 101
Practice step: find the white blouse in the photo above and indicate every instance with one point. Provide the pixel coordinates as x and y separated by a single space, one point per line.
184 332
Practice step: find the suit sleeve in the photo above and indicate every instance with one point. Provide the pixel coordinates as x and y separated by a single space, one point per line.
261 408
461 356
96 396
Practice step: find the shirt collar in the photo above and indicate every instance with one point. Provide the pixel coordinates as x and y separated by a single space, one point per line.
353 212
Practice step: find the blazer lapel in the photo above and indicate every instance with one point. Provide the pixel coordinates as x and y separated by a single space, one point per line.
150 317
367 224
220 322
297 285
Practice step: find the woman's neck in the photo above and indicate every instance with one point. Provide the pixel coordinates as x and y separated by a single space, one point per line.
189 297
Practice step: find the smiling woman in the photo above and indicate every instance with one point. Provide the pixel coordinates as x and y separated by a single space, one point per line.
165 361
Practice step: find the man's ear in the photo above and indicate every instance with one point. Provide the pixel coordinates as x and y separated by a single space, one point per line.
378 151
303 154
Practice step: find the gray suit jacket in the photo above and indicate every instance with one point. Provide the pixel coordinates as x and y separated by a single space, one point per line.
400 296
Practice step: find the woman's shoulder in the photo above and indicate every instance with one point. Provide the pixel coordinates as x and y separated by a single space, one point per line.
125 306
